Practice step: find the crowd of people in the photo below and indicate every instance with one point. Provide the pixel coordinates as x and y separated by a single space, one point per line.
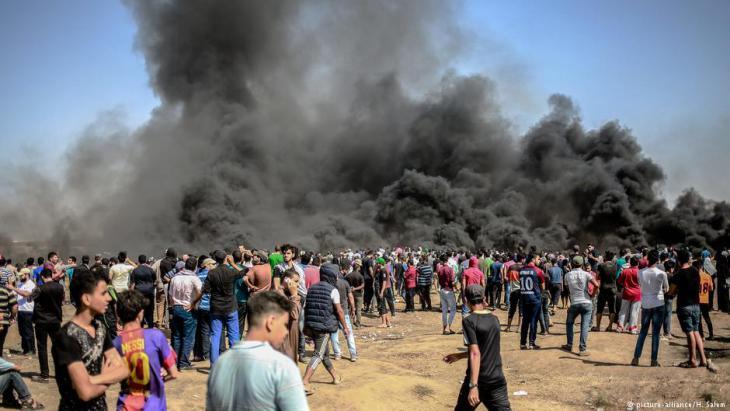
252 314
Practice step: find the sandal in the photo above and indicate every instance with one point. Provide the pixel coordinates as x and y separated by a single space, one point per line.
31 404
711 367
338 380
687 364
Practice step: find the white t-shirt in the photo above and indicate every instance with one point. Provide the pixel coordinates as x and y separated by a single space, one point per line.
653 283
183 286
335 296
577 281
23 303
120 276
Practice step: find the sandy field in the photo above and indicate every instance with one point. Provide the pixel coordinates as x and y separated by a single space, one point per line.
401 369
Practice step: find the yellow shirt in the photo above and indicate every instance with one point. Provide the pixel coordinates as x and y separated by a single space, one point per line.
706 287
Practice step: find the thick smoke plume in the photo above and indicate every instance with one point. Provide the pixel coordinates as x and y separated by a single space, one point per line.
335 124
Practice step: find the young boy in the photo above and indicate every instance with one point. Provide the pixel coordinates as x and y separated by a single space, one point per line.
146 351
252 374
86 361
484 381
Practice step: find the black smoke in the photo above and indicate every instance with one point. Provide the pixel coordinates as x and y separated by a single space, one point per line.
334 124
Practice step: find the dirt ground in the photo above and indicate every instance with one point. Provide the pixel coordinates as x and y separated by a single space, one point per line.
401 369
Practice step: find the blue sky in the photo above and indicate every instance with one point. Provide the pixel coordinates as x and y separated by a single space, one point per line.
660 67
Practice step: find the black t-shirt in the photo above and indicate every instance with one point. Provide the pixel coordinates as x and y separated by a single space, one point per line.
382 277
143 278
74 344
220 285
607 274
687 281
355 279
482 329
48 305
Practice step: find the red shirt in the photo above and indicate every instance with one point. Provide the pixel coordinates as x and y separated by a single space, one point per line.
311 275
629 278
446 277
410 277
473 275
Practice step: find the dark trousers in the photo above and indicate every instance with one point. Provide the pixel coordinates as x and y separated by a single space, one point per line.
544 316
410 296
555 291
201 348
149 311
25 328
242 314
530 312
495 294
514 302
369 294
42 333
424 292
183 334
3 335
493 397
723 297
705 310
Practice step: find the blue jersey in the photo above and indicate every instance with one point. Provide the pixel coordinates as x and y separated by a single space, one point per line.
529 286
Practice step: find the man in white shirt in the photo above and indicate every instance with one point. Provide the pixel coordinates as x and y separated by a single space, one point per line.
25 313
252 374
580 304
185 287
654 284
119 272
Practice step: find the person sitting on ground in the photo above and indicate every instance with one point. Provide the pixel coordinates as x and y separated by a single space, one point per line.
484 381
146 352
252 374
11 383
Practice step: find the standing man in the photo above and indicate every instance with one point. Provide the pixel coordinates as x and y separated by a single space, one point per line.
654 284
347 300
607 291
252 374
357 284
223 306
142 279
8 312
384 293
119 273
577 281
446 295
425 277
685 285
484 381
322 313
530 297
410 280
47 315
184 290
25 311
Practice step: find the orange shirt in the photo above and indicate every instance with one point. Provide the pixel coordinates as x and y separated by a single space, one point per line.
706 287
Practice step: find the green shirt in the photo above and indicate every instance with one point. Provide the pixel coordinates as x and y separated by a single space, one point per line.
275 259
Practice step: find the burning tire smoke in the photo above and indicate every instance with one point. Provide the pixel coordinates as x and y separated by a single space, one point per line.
337 124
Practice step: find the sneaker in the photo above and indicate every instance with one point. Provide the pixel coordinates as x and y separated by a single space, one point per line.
635 362
583 353
41 379
186 368
534 347
524 347
566 347
337 357
353 359
655 364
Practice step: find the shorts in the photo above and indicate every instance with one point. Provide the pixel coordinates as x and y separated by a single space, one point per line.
607 296
689 318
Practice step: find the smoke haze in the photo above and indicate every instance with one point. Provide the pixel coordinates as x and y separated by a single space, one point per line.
339 124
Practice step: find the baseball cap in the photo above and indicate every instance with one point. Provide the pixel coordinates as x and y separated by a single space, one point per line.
475 293
578 261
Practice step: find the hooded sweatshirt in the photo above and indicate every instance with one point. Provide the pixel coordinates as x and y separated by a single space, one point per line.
473 275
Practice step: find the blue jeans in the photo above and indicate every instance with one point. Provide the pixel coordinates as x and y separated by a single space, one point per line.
507 290
584 310
12 381
655 316
335 337
668 315
183 334
216 324
448 306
